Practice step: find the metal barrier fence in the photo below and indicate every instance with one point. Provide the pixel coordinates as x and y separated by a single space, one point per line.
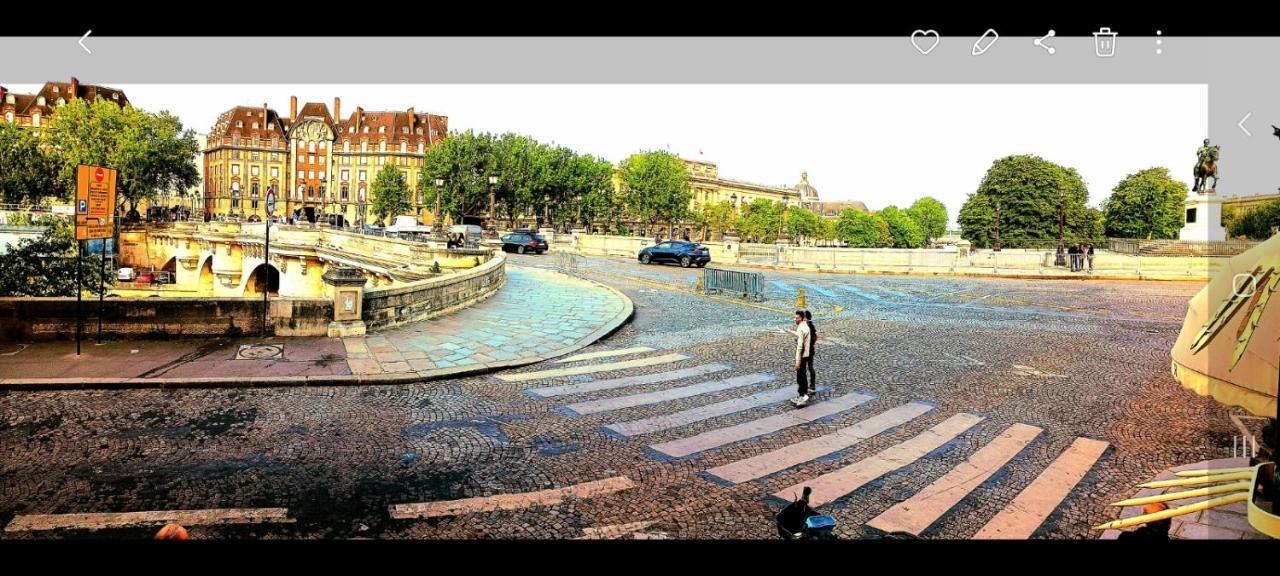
1179 247
567 262
748 284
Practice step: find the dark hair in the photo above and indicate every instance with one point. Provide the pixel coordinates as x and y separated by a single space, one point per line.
808 315
800 313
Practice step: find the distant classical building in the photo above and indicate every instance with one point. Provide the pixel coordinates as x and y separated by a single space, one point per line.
830 210
37 110
318 163
709 188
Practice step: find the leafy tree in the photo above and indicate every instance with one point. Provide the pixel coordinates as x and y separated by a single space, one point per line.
1028 192
803 223
152 152
464 161
655 186
720 216
903 230
46 266
761 221
390 194
862 230
931 215
27 173
826 229
1147 204
1257 224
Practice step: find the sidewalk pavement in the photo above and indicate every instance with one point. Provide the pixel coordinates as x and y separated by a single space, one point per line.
1229 522
538 315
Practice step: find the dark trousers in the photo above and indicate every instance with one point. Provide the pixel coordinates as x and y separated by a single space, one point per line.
802 374
813 376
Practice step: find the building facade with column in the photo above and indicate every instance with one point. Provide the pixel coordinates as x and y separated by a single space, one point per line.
707 187
311 133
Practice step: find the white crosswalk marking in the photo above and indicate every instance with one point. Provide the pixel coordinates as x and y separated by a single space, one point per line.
604 354
607 404
833 485
99 521
928 505
1029 508
700 413
768 463
626 381
592 368
722 436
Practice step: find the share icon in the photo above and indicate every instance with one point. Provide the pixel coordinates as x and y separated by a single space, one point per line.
1040 42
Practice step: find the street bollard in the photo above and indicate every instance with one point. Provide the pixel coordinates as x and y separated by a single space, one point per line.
800 298
698 288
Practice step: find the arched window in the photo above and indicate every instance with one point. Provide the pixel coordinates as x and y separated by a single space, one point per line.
346 190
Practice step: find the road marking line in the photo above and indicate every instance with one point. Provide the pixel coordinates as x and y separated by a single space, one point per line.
614 531
593 368
820 290
604 354
833 485
510 501
1032 506
698 414
762 465
722 436
859 292
98 521
608 404
917 513
625 381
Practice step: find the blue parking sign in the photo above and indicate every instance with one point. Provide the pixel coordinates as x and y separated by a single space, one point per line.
84 207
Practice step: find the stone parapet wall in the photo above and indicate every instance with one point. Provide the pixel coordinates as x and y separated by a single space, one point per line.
433 297
55 318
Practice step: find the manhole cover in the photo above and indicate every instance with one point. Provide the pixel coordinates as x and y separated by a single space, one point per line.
260 352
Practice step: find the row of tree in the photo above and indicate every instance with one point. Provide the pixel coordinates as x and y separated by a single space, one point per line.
1023 200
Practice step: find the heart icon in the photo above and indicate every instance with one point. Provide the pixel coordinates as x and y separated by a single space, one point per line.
920 39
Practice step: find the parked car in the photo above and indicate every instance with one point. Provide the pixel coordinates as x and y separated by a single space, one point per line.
522 242
145 278
126 275
685 254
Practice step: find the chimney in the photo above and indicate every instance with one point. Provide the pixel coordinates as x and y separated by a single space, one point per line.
359 117
264 116
337 109
412 120
75 87
293 109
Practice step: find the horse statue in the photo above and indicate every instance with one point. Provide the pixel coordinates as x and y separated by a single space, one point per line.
1206 167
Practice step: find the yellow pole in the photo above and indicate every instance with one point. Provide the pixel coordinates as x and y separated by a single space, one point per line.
1170 513
1197 492
1200 480
800 298
1211 471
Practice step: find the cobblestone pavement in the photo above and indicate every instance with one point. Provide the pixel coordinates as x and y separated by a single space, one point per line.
1074 359
538 314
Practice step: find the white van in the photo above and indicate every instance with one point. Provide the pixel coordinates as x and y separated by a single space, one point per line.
408 226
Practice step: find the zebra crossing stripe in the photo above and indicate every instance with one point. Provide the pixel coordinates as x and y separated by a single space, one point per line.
1028 510
833 485
510 501
620 402
768 463
917 513
816 289
781 285
859 292
593 368
626 381
722 436
898 293
99 521
604 354
698 414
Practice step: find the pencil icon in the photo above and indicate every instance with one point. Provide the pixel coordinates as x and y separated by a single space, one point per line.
985 42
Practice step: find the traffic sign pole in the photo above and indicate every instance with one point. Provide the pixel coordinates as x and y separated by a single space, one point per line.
79 292
266 257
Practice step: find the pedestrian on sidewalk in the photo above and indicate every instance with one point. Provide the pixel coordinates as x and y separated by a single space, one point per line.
1089 255
1074 253
803 358
813 341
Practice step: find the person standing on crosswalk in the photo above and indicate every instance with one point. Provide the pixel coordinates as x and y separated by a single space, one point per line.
813 341
804 350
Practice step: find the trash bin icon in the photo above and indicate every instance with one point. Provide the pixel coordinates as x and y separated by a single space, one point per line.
1104 43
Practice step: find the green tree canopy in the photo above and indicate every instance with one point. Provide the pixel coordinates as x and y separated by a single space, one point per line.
1257 224
152 152
655 186
46 266
862 230
803 223
1027 191
931 215
761 221
1147 204
390 194
27 173
903 230
464 161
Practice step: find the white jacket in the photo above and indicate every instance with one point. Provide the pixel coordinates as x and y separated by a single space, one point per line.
802 341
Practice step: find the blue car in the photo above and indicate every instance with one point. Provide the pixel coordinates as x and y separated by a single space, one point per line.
685 254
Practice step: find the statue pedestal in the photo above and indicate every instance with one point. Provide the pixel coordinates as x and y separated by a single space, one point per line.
347 285
1203 219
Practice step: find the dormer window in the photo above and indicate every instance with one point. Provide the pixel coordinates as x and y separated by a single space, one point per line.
419 130
382 129
116 96
239 124
404 130
55 89
61 101
366 129
40 101
8 98
255 125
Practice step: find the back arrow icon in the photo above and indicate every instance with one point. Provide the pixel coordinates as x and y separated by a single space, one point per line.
81 42
1241 125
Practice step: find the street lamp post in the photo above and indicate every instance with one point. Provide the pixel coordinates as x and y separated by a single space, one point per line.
782 221
435 217
997 244
1060 259
489 224
546 208
324 210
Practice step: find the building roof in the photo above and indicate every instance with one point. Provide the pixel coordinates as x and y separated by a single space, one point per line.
29 104
394 126
246 116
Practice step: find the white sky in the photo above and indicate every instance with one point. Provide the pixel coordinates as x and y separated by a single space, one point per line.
882 144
